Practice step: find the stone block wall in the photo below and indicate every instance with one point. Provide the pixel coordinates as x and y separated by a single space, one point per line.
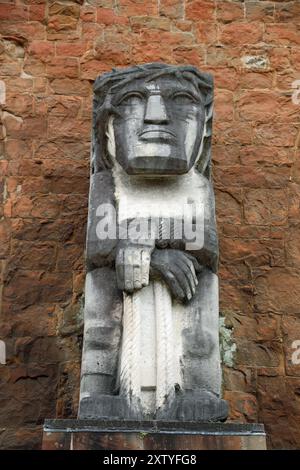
50 53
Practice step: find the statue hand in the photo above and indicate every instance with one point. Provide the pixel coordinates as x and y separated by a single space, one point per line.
132 266
178 269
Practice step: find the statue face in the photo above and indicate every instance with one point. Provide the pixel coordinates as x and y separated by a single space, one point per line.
160 126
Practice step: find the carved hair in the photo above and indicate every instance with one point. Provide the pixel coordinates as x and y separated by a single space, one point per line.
109 83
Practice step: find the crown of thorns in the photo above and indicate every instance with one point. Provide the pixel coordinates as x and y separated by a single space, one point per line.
107 84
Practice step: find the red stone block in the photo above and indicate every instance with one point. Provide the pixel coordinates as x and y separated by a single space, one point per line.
224 106
16 127
43 50
294 202
243 407
112 54
33 256
72 87
252 177
260 155
27 288
255 253
16 149
238 34
266 207
266 106
287 12
4 238
21 437
19 85
19 105
70 258
72 49
60 230
68 129
171 8
37 12
183 25
108 17
63 105
23 30
239 380
13 12
189 55
34 67
279 396
287 81
90 69
282 34
200 10
24 167
225 133
88 14
260 11
295 59
226 78
64 9
206 32
138 7
228 206
257 80
221 56
60 67
280 58
228 12
90 31
139 23
276 134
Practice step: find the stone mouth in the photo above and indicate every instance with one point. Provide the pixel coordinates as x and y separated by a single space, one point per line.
157 133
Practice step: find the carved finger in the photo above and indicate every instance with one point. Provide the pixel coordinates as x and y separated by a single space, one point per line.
128 271
188 274
190 265
182 281
174 286
196 263
137 270
145 256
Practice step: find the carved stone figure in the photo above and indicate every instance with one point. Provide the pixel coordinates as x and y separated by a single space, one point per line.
151 343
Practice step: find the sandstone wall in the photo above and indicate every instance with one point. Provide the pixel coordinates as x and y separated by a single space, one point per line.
50 53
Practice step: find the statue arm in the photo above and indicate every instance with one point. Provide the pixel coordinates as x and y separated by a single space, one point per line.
100 250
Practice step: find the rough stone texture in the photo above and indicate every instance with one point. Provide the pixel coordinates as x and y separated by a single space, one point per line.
50 52
84 434
150 355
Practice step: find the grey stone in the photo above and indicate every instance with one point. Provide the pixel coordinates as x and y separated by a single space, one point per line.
153 351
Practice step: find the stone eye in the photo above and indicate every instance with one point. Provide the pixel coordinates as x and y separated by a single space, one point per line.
182 98
133 97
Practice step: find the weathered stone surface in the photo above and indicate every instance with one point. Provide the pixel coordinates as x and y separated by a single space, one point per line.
224 37
277 290
279 396
142 435
168 276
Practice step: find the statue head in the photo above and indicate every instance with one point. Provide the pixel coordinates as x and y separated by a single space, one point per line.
159 116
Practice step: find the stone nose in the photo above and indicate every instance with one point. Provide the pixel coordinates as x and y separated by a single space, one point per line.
156 112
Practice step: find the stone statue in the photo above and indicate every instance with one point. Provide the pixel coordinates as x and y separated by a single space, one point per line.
151 342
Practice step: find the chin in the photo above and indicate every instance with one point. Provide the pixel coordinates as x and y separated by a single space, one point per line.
156 165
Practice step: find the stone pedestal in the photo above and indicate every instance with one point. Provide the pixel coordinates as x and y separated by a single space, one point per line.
62 434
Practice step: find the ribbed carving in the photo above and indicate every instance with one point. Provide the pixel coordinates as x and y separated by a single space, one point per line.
164 343
130 357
